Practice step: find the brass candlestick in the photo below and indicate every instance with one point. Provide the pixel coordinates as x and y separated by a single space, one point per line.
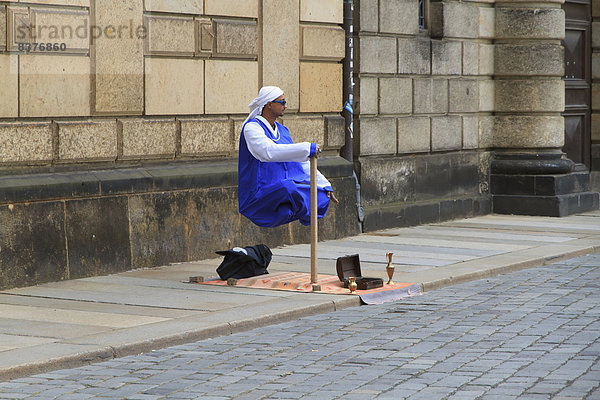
390 268
352 284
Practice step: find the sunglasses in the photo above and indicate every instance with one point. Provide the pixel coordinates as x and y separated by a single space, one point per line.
282 102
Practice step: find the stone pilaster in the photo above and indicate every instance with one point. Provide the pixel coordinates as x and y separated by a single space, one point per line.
530 174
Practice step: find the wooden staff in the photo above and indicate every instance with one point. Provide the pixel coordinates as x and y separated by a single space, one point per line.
313 219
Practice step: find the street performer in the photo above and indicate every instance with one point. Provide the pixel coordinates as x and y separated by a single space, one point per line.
273 171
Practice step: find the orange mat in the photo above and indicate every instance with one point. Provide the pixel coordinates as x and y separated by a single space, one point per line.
330 284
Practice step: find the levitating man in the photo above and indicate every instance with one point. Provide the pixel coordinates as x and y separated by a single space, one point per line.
273 171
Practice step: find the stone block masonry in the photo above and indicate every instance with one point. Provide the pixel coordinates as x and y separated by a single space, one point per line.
9 86
239 39
326 11
2 27
414 56
422 92
87 140
414 135
173 86
446 133
25 142
175 6
281 64
398 16
146 59
148 138
170 36
118 62
223 76
54 86
320 87
455 20
48 21
307 129
377 55
233 8
430 96
313 37
150 96
485 82
206 136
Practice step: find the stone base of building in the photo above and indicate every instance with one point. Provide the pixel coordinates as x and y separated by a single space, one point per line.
544 195
424 212
543 182
595 181
58 226
422 188
548 206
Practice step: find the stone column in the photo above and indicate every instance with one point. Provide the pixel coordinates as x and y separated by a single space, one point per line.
530 174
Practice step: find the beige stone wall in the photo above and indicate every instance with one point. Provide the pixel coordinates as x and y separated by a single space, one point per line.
424 90
161 79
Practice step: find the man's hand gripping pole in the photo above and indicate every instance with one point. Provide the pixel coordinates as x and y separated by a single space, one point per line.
313 219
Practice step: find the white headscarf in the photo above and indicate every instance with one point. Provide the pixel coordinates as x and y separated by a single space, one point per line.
266 94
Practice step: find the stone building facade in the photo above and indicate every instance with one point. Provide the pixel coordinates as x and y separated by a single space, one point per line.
119 120
460 110
423 95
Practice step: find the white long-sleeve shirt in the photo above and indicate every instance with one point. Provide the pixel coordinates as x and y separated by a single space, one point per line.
266 150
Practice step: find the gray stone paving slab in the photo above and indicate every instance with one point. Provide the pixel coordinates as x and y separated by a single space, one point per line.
325 252
400 248
8 342
483 235
90 291
80 317
281 263
20 328
579 224
463 244
373 252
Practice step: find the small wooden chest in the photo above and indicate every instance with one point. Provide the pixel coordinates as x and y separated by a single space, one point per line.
348 267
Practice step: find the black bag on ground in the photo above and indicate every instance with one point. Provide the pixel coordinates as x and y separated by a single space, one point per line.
244 262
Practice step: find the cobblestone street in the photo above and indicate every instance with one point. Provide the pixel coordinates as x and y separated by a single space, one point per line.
533 334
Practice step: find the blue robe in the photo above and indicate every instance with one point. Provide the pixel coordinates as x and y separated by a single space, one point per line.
275 193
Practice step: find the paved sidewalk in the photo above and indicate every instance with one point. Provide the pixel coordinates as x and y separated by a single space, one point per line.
71 323
530 335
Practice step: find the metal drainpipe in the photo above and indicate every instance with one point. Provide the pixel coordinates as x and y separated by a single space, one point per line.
347 150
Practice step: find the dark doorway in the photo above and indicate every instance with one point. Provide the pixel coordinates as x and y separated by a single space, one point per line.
577 79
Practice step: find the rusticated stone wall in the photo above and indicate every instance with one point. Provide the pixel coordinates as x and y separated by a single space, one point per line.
424 103
131 80
595 173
